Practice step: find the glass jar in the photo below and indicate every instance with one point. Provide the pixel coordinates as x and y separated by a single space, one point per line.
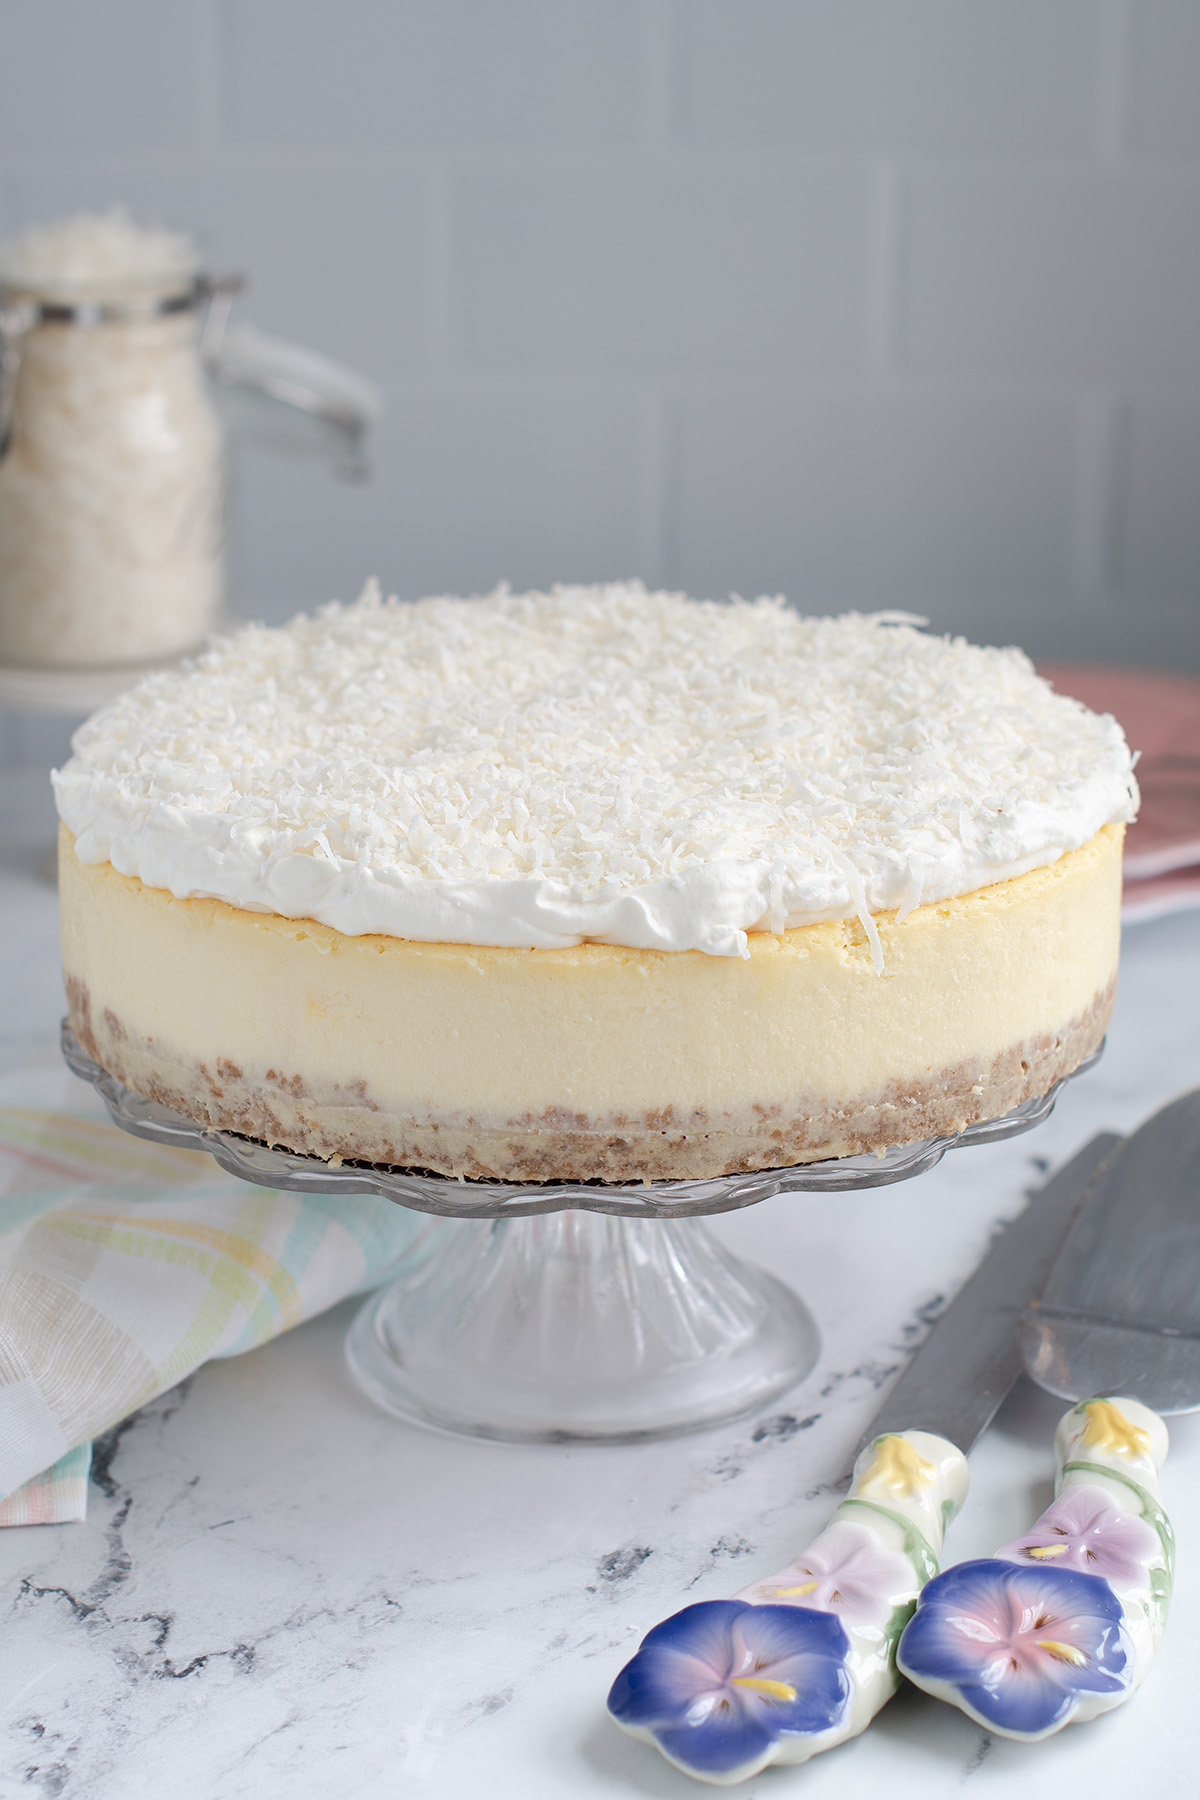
115 353
112 475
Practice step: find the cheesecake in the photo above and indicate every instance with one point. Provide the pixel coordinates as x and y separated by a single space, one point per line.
592 885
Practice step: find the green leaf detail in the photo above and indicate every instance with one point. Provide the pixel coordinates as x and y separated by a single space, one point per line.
893 1630
916 1546
1160 1596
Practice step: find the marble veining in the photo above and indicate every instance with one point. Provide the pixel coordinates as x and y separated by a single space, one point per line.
280 1592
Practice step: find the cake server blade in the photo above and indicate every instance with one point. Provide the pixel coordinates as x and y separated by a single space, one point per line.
1120 1308
962 1373
1115 1327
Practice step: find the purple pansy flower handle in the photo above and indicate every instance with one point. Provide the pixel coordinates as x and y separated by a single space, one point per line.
803 1660
1063 1622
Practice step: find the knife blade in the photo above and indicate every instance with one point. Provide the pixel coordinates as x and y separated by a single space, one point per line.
1120 1308
958 1378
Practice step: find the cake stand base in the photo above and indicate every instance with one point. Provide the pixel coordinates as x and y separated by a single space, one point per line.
578 1327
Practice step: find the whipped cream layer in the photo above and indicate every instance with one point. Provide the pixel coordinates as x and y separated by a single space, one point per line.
590 765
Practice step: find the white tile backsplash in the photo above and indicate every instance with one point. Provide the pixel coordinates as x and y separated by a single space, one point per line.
433 72
1159 529
1056 273
944 77
472 486
659 269
1164 77
77 76
851 498
875 301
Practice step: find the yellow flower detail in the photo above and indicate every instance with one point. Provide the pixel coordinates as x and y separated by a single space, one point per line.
1042 1551
807 1588
897 1468
762 1684
1065 1653
1107 1428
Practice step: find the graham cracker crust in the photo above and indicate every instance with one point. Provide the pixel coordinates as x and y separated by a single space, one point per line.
344 1122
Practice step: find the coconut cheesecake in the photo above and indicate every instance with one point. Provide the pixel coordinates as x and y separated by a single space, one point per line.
592 884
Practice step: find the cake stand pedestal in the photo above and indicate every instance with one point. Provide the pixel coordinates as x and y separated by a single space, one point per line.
73 693
578 1325
552 1312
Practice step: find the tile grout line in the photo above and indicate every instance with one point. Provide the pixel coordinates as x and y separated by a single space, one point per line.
441 310
1112 87
883 265
670 563
654 484
659 95
211 72
1097 476
674 155
659 127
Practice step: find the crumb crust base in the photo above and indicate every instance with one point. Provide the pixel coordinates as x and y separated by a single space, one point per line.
280 1108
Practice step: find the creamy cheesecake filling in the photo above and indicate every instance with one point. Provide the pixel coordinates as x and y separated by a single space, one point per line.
595 1060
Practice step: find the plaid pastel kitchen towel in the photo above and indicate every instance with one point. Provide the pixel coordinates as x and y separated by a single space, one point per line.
125 1265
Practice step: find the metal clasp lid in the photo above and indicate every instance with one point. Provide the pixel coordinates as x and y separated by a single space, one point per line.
285 397
20 313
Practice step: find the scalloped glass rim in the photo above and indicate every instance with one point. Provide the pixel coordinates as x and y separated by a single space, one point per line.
458 1199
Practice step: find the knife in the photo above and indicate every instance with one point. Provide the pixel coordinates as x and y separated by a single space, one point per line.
1121 1304
803 1660
1064 1622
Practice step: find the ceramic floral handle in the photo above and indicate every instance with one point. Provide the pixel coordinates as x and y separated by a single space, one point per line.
800 1662
1062 1623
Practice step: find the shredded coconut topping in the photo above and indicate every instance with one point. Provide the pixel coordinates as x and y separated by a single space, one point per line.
96 253
593 764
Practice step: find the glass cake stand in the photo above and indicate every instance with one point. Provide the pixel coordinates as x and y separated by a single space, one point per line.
551 1312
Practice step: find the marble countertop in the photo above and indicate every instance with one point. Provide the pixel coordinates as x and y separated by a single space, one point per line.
280 1591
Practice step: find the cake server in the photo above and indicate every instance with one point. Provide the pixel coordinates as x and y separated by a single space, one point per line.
803 1660
1063 1623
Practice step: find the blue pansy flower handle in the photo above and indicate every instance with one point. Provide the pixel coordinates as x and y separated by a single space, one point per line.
1062 1623
804 1660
